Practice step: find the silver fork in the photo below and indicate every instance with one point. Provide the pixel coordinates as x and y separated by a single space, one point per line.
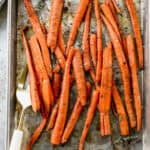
23 97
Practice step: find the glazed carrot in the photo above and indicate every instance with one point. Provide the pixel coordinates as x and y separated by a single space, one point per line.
60 57
74 116
89 117
124 71
45 86
34 93
105 91
40 36
79 76
85 40
107 12
135 83
63 105
116 6
76 23
56 84
55 19
36 133
123 122
56 68
61 40
136 28
99 41
93 49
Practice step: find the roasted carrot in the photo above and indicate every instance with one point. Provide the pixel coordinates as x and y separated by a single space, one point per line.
74 116
99 41
60 57
43 29
56 68
56 84
105 91
116 6
55 19
34 93
37 133
85 40
45 86
125 47
40 36
135 83
124 71
136 28
79 76
89 117
63 105
76 23
93 49
92 75
123 122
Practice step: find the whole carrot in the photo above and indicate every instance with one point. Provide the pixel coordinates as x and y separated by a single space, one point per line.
76 22
34 93
116 6
105 91
56 68
74 116
79 76
40 36
89 117
99 41
136 28
93 49
123 122
63 105
124 71
135 83
85 40
55 19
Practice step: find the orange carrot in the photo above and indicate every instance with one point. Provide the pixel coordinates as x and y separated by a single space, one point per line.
116 6
99 42
60 57
63 105
45 86
89 117
85 40
105 91
92 75
56 68
135 84
93 49
124 71
123 122
43 29
136 28
55 19
79 76
56 84
76 23
74 116
40 36
34 93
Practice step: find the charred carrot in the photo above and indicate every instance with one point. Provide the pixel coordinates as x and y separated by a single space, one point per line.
40 36
89 117
116 6
99 41
105 91
63 105
45 86
124 71
55 19
74 116
136 28
79 76
76 23
123 122
34 93
93 49
85 40
60 57
135 83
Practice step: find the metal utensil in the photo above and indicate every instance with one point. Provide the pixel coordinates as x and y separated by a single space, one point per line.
23 97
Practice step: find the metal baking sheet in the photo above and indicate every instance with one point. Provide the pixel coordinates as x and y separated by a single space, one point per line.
94 141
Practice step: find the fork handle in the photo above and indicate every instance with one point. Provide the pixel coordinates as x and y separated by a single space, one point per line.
16 140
